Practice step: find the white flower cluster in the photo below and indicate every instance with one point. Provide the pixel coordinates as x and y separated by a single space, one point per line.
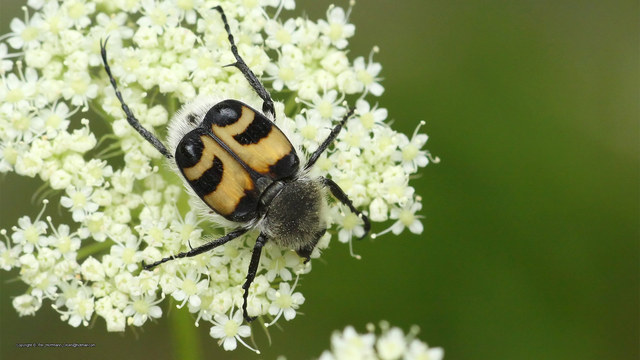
124 206
390 344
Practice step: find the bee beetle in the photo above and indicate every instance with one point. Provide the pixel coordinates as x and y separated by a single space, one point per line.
245 169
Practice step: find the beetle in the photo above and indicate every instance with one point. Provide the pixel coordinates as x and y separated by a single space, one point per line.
243 167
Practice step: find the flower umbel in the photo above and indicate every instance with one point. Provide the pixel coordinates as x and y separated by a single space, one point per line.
123 206
391 344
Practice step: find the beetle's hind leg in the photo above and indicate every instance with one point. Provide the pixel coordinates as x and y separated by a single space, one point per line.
251 274
200 249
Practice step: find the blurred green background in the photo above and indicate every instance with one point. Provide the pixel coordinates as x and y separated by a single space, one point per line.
530 248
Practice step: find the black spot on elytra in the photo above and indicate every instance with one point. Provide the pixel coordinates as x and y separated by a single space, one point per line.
189 150
246 209
286 167
224 113
210 179
259 129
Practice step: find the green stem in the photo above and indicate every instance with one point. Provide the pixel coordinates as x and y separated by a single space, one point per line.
171 105
185 339
152 97
41 193
97 109
266 331
291 106
104 138
105 156
94 248
109 148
